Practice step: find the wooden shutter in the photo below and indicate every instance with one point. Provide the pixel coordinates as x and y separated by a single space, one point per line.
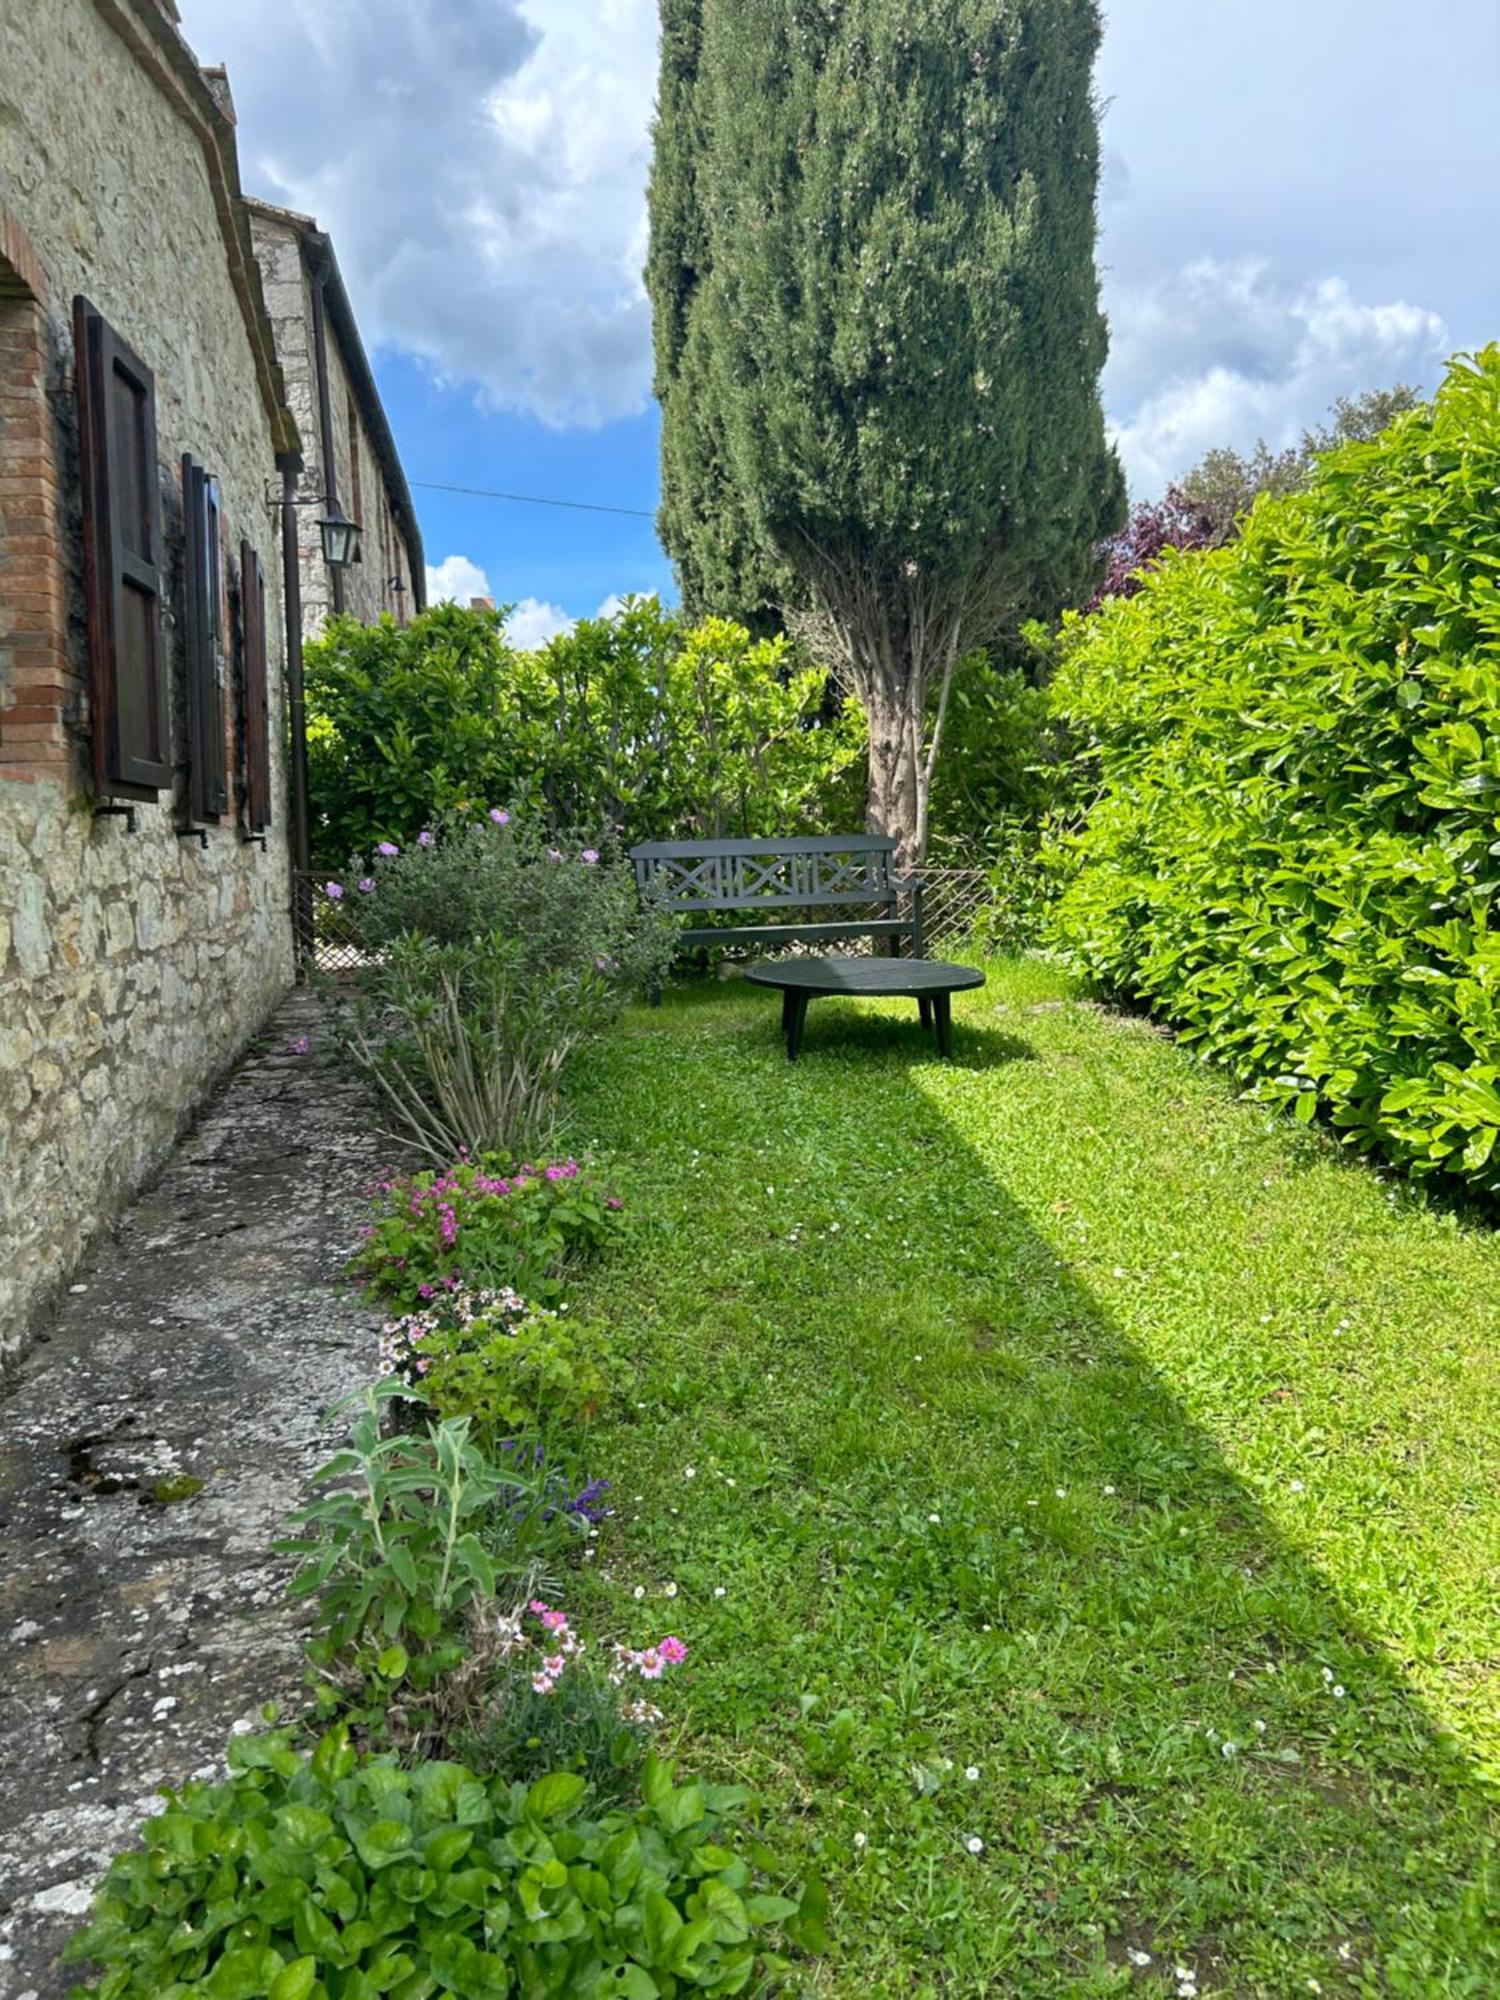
203 634
257 697
122 560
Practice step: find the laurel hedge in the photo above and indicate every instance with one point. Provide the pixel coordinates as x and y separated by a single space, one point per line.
1292 749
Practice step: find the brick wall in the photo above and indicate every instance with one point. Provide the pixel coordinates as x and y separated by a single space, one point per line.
40 686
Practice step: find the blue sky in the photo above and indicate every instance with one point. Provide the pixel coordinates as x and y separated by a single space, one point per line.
1298 203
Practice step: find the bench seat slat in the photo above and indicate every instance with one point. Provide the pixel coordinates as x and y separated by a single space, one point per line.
796 933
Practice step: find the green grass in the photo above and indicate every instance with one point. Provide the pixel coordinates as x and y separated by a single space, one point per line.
1054 1414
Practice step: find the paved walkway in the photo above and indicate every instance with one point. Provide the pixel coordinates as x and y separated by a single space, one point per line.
151 1445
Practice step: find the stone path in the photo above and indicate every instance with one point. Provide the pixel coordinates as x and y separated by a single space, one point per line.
151 1445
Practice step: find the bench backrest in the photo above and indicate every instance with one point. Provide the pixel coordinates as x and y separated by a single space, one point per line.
755 874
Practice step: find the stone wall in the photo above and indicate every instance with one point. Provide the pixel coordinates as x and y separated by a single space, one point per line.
382 580
133 964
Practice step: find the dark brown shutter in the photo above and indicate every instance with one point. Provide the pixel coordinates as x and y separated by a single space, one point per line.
122 560
203 635
257 698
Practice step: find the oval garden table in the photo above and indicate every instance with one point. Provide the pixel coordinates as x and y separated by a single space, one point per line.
929 981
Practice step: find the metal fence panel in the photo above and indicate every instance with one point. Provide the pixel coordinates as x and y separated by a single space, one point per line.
953 899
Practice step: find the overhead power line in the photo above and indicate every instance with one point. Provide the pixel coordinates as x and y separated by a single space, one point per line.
534 499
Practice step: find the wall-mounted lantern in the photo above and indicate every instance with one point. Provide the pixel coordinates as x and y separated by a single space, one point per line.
340 537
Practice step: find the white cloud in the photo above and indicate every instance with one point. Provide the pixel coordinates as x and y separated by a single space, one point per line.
455 579
532 623
481 167
1225 352
615 603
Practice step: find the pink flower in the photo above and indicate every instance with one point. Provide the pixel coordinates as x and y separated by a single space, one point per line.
672 1651
554 1664
333 890
500 818
542 1684
424 838
366 884
555 1621
388 848
650 1664
537 1606
589 854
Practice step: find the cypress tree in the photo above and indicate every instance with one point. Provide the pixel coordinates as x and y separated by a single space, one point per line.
723 567
878 333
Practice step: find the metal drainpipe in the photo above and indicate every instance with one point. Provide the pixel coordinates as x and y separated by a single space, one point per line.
325 415
291 591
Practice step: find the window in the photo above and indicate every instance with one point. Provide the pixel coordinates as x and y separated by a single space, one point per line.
257 735
122 560
203 634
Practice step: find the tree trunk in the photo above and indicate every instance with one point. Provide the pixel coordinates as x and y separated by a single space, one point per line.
894 805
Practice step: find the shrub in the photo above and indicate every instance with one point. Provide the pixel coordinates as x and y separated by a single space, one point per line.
487 954
465 1049
1014 918
631 721
1295 748
568 903
996 753
329 1876
475 1226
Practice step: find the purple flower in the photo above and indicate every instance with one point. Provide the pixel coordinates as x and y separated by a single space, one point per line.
500 817
424 838
554 854
587 1502
301 1046
388 848
333 890
366 884
589 854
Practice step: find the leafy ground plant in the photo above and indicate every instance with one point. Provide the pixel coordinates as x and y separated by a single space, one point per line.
536 1698
338 1877
415 1530
1076 1488
511 1368
483 1223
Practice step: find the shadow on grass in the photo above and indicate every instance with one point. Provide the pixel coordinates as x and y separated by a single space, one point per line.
974 1522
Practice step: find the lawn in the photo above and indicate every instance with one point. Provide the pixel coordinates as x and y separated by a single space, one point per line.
1078 1494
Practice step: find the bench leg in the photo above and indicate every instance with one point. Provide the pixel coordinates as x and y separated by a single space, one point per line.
924 1005
798 1023
787 1002
942 1008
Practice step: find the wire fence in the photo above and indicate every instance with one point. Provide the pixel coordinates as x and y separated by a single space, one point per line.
953 901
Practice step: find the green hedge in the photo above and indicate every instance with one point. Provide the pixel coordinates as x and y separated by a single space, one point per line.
1294 746
634 722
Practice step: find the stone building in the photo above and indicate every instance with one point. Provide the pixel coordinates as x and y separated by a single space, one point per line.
351 463
149 459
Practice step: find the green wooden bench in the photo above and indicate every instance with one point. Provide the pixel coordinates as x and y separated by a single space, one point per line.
853 874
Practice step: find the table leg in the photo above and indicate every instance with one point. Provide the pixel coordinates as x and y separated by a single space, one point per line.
799 1021
924 1005
786 1011
942 1007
